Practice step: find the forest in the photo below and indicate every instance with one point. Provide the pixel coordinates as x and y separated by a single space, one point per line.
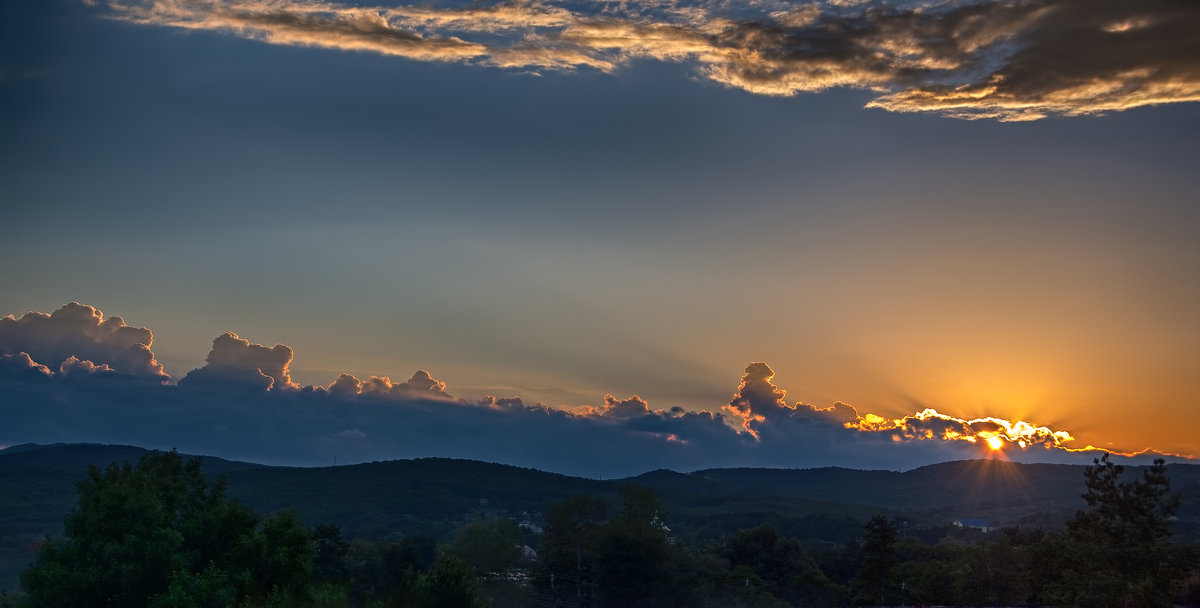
160 533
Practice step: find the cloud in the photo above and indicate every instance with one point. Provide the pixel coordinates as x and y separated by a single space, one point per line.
930 424
1008 60
1067 57
756 398
299 24
243 404
624 408
345 385
20 366
80 331
235 361
74 366
421 384
838 412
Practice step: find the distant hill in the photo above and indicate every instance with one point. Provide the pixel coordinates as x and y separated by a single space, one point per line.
434 496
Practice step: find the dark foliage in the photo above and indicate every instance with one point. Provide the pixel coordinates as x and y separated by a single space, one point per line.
158 534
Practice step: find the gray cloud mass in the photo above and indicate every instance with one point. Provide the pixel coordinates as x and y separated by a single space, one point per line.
1010 60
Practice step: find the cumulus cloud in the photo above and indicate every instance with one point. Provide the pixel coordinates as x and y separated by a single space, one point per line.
74 366
625 408
20 366
345 385
421 384
1003 59
235 361
759 405
81 331
243 404
757 398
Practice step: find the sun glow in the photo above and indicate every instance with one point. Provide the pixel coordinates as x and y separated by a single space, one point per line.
997 432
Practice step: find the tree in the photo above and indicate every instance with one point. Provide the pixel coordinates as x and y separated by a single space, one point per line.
492 551
329 558
567 558
633 555
449 584
490 548
1120 542
780 564
878 556
159 534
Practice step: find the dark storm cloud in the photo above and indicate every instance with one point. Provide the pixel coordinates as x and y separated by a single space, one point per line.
1002 59
244 404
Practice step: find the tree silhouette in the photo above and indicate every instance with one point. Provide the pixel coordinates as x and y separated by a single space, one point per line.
633 555
569 548
1120 542
159 534
878 556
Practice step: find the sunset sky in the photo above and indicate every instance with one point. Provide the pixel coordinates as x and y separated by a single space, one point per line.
985 207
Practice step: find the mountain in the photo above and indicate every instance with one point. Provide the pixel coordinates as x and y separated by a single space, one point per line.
434 496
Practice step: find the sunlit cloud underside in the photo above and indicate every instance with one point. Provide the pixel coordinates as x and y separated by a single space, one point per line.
75 375
1010 60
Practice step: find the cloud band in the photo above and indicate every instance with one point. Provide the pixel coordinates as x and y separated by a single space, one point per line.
1009 60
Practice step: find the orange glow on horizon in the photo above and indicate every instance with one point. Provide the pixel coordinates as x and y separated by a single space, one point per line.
930 424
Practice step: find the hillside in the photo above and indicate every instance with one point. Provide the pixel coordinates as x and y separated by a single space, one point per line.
434 496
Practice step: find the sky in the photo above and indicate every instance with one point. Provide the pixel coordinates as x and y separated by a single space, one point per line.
602 237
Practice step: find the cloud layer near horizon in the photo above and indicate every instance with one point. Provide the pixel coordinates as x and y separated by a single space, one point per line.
1001 59
243 404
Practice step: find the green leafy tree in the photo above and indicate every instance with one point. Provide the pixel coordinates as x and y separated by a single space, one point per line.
158 534
277 560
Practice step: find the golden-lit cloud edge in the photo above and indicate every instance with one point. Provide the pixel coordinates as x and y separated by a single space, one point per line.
997 433
1008 60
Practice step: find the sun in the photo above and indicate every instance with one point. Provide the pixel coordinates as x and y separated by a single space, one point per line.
995 443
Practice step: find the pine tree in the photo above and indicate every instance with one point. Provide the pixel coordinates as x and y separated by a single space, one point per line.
1120 543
